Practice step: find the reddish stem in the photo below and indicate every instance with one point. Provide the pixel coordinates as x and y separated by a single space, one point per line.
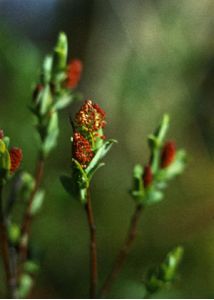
10 279
93 246
123 253
27 220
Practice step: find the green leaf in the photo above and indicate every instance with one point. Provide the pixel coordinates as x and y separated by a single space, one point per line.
138 189
94 170
37 202
100 154
52 134
83 178
60 53
155 142
26 283
45 100
46 70
152 196
31 267
64 100
165 273
6 140
14 233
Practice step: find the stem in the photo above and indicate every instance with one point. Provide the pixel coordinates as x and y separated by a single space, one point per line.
10 277
27 220
93 246
123 253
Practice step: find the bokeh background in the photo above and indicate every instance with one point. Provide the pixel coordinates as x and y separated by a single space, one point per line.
141 58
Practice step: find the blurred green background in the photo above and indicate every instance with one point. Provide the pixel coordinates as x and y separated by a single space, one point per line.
141 59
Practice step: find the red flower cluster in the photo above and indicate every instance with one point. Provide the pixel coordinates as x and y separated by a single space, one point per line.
168 154
91 117
82 151
73 73
147 176
1 134
15 158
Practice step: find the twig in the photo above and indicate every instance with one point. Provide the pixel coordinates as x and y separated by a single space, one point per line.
123 252
93 247
10 277
27 220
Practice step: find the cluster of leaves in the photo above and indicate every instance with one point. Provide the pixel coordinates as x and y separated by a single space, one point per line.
150 181
165 273
52 93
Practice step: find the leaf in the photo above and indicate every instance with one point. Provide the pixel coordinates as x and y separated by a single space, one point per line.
46 69
31 267
155 142
138 189
52 134
94 170
157 277
14 233
26 283
100 154
83 180
153 196
63 101
37 202
60 53
177 166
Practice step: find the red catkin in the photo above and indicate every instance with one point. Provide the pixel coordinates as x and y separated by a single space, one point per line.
147 176
90 116
82 151
15 158
1 134
168 154
74 72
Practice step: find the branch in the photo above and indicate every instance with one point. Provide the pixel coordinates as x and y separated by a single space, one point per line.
27 220
93 246
5 252
123 253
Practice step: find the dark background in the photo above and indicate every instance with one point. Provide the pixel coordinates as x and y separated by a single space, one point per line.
141 59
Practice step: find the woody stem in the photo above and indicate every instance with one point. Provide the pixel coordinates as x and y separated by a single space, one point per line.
124 251
10 279
93 246
27 220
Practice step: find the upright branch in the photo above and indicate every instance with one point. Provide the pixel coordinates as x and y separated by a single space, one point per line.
93 246
53 92
27 220
148 182
124 251
4 244
10 159
89 147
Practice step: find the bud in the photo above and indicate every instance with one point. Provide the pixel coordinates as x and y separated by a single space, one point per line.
82 151
74 72
1 134
15 158
168 154
91 117
60 52
147 176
